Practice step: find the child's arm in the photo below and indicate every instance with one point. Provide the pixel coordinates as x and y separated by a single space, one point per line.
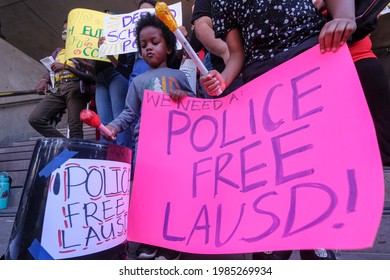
215 80
128 115
178 94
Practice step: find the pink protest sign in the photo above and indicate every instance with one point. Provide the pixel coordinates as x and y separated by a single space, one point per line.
288 161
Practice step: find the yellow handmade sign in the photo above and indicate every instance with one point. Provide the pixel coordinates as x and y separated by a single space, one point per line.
85 27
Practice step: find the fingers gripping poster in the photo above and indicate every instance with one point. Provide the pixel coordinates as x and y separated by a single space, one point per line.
288 161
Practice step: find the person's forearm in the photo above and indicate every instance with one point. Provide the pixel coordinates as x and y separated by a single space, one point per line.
233 68
341 9
113 60
236 59
205 34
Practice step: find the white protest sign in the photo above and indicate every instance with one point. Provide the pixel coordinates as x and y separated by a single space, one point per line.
119 30
87 207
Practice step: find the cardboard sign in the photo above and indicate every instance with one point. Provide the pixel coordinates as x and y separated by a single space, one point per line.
288 161
85 27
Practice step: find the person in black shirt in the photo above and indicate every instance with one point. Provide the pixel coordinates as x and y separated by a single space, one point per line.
217 50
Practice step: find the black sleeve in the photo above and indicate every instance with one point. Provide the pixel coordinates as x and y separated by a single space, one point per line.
201 8
125 64
175 62
195 43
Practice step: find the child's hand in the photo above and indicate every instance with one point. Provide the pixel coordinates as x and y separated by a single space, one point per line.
212 83
177 95
57 66
114 132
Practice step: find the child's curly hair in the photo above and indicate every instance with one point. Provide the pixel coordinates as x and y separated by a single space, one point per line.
152 20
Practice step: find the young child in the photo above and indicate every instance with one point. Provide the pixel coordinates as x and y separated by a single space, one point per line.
157 45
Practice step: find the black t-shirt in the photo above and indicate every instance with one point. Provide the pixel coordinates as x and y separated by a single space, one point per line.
125 64
203 8
195 43
267 27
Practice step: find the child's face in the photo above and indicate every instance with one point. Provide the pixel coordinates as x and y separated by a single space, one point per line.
153 47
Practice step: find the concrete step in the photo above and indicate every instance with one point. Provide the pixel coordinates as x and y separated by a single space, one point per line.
5 232
380 249
9 212
18 178
16 155
89 134
25 143
14 197
19 164
16 149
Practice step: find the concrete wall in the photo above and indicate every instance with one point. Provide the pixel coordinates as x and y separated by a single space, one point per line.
18 72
